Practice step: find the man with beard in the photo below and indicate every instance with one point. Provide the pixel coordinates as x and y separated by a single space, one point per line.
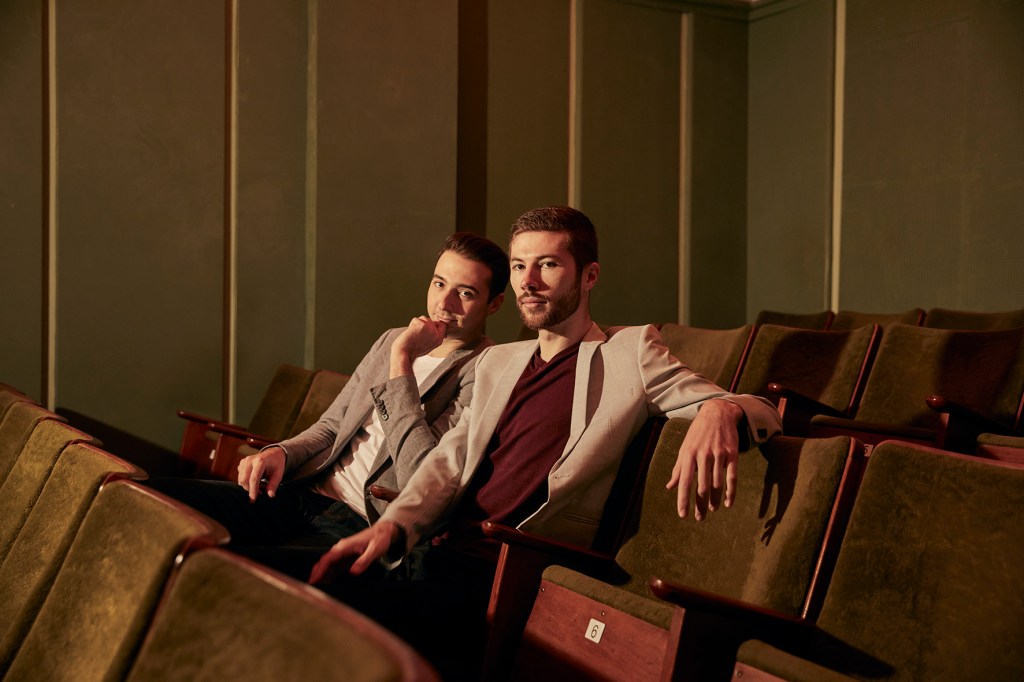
538 447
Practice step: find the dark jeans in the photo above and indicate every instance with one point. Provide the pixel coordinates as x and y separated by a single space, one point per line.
288 532
439 606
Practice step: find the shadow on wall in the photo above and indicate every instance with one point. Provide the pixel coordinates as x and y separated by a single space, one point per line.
154 459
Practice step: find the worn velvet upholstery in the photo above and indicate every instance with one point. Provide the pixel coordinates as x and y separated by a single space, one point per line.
281 402
815 320
715 353
927 585
325 387
103 597
823 365
227 619
28 476
8 397
15 428
981 370
762 550
945 318
36 555
852 319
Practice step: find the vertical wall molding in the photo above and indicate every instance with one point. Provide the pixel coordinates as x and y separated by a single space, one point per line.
575 59
838 102
685 162
312 23
231 218
49 354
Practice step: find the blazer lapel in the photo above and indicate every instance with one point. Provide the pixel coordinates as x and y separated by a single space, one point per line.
581 391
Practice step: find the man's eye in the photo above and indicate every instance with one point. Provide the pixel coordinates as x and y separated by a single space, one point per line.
468 295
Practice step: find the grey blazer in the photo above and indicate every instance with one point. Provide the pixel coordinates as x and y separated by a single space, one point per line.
412 423
622 378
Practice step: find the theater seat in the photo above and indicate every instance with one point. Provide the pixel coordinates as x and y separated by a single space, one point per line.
15 428
273 420
27 572
946 318
927 584
764 550
227 619
851 319
93 619
718 354
29 474
820 319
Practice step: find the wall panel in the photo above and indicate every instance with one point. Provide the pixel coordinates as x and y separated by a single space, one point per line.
386 152
21 195
140 240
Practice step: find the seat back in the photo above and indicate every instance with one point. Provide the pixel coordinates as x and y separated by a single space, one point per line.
226 618
828 366
982 370
15 428
28 475
27 572
815 320
102 599
851 319
927 581
765 549
715 353
8 396
324 388
281 402
944 318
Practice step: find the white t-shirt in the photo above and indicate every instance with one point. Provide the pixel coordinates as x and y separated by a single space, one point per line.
346 480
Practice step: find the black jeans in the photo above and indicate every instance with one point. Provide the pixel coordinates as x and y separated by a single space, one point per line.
288 532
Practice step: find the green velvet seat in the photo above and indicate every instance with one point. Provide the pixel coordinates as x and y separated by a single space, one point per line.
978 374
9 396
273 419
946 318
1005 448
227 619
806 371
852 319
95 614
30 566
715 353
819 319
29 474
15 428
764 550
927 583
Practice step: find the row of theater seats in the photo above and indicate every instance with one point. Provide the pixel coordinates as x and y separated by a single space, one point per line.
830 565
952 389
103 579
936 318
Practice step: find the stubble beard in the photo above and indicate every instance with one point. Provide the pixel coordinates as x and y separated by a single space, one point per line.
557 311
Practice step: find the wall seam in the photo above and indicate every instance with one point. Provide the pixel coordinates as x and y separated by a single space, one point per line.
832 262
310 225
685 167
231 220
49 379
575 57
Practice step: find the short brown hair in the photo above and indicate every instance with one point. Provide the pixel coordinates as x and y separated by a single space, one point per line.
580 235
482 250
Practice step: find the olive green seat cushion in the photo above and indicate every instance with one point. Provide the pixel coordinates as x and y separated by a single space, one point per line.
227 619
714 353
93 618
28 476
927 585
280 405
15 428
762 550
945 318
824 365
27 572
815 320
851 319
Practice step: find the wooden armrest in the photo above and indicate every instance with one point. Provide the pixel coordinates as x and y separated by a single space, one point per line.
382 493
258 442
805 403
560 552
971 420
732 609
217 425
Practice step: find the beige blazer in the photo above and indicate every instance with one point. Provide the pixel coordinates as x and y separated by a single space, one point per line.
622 378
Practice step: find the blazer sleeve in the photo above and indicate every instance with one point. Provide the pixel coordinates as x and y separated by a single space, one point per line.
324 432
408 435
673 389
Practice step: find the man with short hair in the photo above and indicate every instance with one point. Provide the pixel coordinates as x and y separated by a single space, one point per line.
406 392
539 445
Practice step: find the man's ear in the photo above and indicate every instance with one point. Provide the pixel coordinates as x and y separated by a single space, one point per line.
495 303
590 275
